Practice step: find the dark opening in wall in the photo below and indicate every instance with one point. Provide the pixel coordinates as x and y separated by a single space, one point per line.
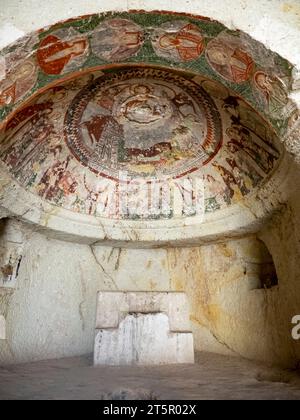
268 276
259 268
266 269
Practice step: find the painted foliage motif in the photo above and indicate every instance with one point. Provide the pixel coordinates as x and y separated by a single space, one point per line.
68 145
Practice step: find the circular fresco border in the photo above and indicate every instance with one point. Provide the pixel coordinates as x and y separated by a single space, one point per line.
190 95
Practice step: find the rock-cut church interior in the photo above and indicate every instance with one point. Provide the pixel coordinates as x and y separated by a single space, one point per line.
149 200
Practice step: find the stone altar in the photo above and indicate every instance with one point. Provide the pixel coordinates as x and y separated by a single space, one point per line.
142 328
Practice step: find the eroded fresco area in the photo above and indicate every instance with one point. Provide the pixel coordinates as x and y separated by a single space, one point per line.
192 43
72 144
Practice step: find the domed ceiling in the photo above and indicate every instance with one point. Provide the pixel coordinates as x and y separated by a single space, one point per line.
99 102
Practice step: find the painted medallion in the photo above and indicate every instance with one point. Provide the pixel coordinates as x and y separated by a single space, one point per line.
178 41
117 39
144 121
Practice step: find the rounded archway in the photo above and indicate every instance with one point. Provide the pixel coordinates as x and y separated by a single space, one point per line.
150 151
146 125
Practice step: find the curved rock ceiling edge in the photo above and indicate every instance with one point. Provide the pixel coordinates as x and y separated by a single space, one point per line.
166 42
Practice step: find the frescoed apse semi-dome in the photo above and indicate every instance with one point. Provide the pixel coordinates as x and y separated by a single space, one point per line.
74 142
104 101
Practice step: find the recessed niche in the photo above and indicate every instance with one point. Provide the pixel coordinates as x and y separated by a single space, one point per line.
262 271
2 328
268 276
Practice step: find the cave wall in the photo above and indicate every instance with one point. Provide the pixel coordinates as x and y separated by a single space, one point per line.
50 310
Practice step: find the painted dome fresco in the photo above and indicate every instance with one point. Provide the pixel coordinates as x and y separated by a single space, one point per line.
72 144
97 106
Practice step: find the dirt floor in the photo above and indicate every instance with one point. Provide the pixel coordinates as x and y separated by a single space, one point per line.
212 377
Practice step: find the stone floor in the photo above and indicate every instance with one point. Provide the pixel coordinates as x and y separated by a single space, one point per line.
212 377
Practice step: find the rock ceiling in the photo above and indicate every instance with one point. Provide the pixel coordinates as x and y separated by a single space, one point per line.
98 102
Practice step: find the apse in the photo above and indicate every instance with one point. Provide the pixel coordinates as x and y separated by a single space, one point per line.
155 120
149 200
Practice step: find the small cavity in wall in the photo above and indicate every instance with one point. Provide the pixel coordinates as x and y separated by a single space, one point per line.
262 271
2 328
11 252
